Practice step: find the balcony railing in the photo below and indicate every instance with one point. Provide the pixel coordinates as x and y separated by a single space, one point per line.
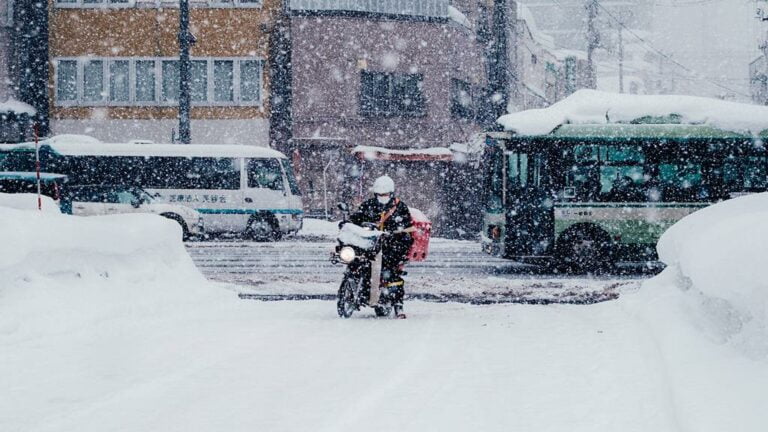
416 8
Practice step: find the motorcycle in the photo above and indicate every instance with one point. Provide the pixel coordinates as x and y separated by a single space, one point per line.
359 248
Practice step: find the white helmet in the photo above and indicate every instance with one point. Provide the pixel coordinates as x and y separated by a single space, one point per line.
383 185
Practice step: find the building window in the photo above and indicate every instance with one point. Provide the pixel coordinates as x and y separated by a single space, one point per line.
250 77
145 82
93 80
119 89
223 80
387 94
170 80
199 85
156 3
462 105
66 80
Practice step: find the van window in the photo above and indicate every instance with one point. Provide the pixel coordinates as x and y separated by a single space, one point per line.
294 185
265 173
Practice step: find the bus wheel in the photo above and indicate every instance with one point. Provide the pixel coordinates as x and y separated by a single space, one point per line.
263 228
184 230
584 249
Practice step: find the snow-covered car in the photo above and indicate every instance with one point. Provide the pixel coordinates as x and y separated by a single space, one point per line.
14 182
104 200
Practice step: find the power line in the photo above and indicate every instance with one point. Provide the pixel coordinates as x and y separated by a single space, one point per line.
667 57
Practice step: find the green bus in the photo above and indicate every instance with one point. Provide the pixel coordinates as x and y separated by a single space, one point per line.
586 196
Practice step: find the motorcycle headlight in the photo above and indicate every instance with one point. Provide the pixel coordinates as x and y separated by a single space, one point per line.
346 254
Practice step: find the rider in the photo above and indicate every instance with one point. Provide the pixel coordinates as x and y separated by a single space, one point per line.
392 216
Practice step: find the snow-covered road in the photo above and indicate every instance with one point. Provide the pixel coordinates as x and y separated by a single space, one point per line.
127 336
294 366
455 270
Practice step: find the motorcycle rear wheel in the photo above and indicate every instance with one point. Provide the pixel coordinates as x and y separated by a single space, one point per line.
345 305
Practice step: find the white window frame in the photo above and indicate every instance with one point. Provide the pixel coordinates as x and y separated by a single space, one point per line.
158 85
158 74
78 82
104 81
131 81
212 4
104 4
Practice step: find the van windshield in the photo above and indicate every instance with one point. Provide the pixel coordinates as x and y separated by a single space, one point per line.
294 185
265 173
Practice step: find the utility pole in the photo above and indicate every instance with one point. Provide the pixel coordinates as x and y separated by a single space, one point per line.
499 64
280 78
621 60
593 40
185 71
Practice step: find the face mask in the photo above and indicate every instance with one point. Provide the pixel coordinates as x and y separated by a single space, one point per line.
383 199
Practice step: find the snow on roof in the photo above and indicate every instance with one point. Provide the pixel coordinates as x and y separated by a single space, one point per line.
381 153
31 176
562 54
525 14
73 139
12 105
458 17
596 107
535 90
83 145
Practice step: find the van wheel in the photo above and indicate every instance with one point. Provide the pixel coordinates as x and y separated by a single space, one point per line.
263 228
184 230
584 249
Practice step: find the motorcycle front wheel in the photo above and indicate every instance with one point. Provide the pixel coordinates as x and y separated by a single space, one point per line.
345 305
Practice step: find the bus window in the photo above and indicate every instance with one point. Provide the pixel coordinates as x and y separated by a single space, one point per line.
745 173
581 174
622 173
168 173
292 183
216 173
265 173
517 169
494 180
681 181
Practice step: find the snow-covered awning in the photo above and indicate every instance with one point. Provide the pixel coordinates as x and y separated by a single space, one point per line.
433 154
596 107
18 107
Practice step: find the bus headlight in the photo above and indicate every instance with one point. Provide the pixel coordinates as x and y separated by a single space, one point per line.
346 254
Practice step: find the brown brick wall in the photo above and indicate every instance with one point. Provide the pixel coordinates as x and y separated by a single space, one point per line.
152 32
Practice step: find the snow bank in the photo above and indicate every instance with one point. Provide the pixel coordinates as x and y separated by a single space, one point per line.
720 254
706 313
596 107
61 272
26 201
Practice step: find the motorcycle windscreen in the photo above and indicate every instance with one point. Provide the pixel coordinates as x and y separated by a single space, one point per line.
375 280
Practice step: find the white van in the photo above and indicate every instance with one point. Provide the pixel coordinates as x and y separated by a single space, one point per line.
237 188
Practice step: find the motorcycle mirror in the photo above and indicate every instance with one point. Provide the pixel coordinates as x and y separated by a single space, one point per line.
343 207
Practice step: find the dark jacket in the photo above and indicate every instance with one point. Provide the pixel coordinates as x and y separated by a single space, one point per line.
396 247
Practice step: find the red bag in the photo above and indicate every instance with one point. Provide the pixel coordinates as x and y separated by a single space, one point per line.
420 247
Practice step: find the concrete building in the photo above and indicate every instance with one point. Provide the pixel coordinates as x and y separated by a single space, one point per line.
546 73
758 69
6 29
115 69
406 76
